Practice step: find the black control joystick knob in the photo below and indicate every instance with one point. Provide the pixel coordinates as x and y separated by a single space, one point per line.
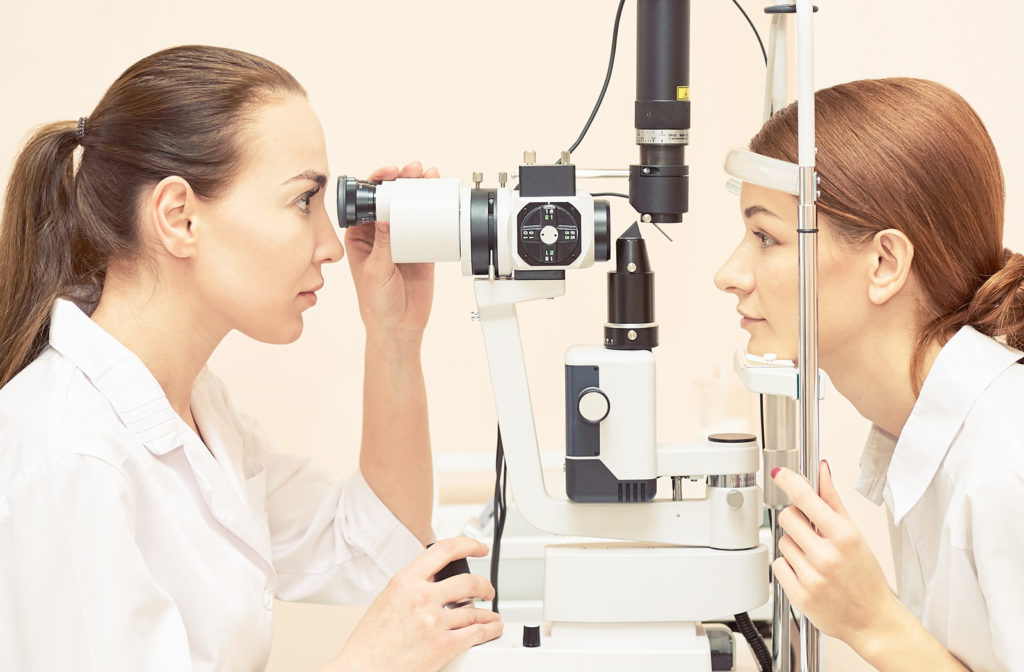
531 636
453 568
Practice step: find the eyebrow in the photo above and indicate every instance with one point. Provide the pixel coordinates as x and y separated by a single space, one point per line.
759 210
311 175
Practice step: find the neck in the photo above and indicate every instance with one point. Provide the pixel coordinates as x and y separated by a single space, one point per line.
873 373
163 328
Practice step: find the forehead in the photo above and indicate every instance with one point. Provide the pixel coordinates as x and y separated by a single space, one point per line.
783 205
284 139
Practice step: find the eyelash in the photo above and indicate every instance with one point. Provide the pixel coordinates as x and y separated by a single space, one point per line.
307 197
766 240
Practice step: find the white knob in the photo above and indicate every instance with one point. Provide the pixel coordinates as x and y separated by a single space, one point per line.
593 405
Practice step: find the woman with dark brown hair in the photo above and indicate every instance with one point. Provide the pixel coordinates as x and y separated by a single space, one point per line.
921 327
144 522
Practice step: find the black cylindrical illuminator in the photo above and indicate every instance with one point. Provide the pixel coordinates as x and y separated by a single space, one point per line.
631 324
659 184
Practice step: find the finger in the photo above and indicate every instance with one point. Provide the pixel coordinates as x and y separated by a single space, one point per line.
796 525
471 635
786 577
431 172
414 169
827 489
805 499
463 586
383 174
442 552
463 617
797 559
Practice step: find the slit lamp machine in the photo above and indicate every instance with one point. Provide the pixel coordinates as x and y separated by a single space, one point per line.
638 598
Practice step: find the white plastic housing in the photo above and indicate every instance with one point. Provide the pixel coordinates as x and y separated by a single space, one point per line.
629 445
424 216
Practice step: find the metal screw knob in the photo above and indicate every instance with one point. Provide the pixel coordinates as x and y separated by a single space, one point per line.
529 157
478 177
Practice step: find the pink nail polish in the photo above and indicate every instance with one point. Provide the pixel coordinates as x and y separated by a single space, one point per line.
829 467
775 471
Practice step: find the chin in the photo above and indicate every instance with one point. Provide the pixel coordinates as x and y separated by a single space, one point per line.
280 333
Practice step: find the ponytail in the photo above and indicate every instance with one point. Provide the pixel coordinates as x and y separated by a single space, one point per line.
36 238
181 111
997 309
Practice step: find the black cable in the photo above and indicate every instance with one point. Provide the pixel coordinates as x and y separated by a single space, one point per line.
611 193
607 78
764 657
754 28
764 439
498 514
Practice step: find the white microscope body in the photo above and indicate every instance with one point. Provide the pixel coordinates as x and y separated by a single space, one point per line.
612 604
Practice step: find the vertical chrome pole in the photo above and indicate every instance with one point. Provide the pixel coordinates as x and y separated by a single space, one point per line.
808 371
808 263
780 450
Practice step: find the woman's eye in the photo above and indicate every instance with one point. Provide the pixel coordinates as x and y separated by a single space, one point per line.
764 238
304 200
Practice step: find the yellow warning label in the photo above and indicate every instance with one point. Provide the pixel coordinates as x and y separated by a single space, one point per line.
682 93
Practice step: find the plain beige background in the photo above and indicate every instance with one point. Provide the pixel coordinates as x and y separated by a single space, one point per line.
467 85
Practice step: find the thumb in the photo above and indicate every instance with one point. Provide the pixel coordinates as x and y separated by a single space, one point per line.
827 489
382 237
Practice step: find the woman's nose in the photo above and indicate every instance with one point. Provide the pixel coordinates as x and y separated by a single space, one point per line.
329 248
734 276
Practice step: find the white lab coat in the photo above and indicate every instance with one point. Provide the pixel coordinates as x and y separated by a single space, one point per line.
953 484
126 545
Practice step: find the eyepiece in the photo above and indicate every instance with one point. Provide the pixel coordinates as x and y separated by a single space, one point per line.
357 201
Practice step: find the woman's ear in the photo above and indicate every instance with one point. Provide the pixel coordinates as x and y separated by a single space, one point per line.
170 213
892 254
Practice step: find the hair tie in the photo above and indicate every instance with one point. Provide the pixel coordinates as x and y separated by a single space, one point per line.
80 133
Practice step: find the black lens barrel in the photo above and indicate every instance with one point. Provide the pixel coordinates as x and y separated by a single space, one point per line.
357 201
659 184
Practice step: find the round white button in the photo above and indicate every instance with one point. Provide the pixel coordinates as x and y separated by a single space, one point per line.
593 405
548 235
268 599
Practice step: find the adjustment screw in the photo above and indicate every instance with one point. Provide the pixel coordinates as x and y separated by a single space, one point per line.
475 316
646 219
631 267
502 179
529 157
477 179
734 498
631 335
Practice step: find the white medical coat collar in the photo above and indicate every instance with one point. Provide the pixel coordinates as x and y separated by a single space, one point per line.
898 470
119 375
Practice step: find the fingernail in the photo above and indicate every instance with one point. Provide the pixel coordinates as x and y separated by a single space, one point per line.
775 471
828 467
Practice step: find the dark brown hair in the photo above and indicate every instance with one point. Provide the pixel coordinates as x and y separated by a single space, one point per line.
181 111
912 155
